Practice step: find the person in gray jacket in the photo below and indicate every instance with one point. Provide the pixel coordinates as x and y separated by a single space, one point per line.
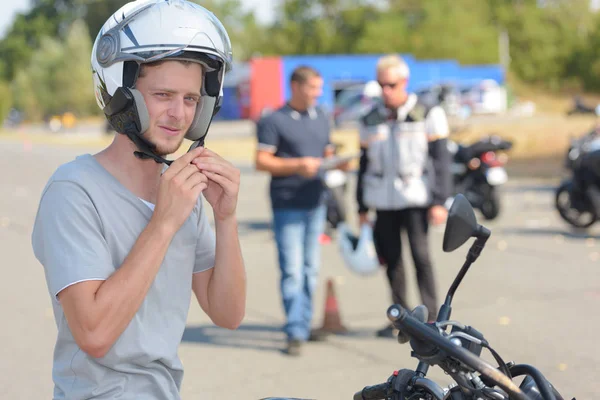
404 176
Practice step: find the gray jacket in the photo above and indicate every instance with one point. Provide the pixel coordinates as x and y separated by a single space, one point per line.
405 162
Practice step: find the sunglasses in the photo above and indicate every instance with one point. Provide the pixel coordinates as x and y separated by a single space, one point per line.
391 85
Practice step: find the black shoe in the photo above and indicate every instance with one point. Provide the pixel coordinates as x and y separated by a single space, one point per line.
293 347
388 332
317 335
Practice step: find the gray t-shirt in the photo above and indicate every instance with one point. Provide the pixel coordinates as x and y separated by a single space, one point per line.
87 223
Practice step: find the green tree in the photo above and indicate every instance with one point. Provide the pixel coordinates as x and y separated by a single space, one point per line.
585 60
36 90
74 75
394 28
435 29
5 100
544 39
447 31
319 27
246 35
96 13
58 78
23 38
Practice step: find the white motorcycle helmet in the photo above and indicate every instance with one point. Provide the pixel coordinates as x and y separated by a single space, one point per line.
335 178
358 253
146 31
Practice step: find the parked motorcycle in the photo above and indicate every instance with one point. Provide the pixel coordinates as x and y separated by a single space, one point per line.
478 171
454 346
578 197
580 107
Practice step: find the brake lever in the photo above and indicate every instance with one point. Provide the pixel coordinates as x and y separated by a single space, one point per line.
465 336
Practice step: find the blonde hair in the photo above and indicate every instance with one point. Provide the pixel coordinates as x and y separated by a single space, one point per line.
393 61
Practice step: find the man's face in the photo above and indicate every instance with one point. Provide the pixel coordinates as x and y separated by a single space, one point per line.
309 91
393 87
171 91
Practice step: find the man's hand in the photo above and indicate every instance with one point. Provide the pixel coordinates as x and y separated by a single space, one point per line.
363 218
179 189
309 166
438 215
223 183
345 166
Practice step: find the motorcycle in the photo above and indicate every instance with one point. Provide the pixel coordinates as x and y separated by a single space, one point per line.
454 346
577 198
580 107
478 170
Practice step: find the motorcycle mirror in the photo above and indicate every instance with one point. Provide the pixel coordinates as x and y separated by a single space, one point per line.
461 224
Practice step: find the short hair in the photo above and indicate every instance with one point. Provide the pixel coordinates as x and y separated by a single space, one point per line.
303 73
143 66
393 61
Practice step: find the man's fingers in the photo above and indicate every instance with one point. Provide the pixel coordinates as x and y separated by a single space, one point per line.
199 188
209 153
183 161
182 176
195 179
228 186
211 160
225 169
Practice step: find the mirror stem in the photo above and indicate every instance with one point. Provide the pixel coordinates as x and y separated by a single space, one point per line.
482 234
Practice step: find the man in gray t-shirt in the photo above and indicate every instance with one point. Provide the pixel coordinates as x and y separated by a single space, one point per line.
124 240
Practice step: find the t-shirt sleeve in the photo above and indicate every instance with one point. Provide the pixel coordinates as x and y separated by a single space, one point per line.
436 124
205 248
68 238
267 136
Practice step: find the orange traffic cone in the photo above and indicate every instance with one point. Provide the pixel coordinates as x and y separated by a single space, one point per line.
332 322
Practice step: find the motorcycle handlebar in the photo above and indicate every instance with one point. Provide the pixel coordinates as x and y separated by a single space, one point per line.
375 392
403 321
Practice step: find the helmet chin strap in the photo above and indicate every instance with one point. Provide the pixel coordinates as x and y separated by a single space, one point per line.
146 149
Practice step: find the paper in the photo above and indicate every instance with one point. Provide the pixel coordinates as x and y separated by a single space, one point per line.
336 161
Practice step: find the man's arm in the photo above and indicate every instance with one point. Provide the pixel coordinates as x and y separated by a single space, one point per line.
221 291
362 168
277 166
363 210
266 160
438 131
98 311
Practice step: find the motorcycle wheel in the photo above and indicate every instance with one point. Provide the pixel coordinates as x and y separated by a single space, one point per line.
574 209
490 205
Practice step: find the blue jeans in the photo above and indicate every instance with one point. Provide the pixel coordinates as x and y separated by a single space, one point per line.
297 234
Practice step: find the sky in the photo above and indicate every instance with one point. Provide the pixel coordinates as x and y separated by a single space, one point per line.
11 7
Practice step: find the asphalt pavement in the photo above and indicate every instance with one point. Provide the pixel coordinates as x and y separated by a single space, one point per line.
534 293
